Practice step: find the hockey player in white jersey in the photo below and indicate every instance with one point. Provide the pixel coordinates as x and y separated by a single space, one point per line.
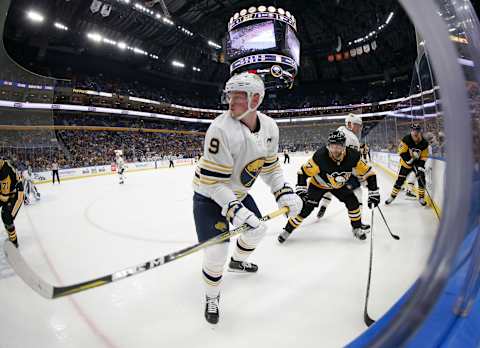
120 166
352 129
240 145
29 186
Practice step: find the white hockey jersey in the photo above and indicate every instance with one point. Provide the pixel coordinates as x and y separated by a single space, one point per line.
234 157
26 175
120 163
352 139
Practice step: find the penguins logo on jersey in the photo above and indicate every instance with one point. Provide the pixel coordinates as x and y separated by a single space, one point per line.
417 151
337 180
251 172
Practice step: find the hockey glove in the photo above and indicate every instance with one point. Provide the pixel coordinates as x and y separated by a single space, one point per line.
301 191
419 171
287 198
238 215
373 198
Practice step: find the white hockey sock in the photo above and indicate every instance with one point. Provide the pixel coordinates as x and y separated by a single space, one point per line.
326 200
214 259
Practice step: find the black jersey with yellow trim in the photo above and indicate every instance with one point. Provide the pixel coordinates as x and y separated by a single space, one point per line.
327 173
408 146
10 181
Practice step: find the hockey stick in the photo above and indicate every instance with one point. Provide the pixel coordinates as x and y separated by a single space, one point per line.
366 318
424 183
394 236
51 291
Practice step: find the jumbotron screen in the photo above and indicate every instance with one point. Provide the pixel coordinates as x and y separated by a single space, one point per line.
255 37
293 45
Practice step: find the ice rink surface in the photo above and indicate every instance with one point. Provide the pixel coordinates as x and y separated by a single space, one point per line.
309 292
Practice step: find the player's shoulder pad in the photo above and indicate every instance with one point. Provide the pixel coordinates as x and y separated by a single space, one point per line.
319 154
267 121
353 153
10 167
407 139
424 143
222 121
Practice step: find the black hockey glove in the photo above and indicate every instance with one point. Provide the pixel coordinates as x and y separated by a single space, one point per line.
373 198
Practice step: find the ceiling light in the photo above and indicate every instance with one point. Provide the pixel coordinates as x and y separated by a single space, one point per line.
35 16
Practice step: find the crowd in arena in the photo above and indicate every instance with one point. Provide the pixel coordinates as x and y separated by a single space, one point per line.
140 140
79 148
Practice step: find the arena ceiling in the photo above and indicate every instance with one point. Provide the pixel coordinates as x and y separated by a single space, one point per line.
324 27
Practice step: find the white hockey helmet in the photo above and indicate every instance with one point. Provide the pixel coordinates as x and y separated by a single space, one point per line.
353 119
118 153
249 83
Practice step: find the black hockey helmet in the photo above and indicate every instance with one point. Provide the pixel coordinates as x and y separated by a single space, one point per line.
416 127
337 137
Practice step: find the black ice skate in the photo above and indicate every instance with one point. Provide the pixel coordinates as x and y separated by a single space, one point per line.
212 314
410 195
282 237
365 228
321 212
359 233
390 200
242 266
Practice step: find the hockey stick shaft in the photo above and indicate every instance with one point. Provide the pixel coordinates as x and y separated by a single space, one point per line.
50 291
394 236
366 318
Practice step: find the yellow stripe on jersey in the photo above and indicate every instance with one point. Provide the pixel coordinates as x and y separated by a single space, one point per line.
216 164
213 169
271 169
315 182
203 163
311 168
202 173
404 164
402 148
363 169
269 161
203 181
18 204
424 154
272 158
210 173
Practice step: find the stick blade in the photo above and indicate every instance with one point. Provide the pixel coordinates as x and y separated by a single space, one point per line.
368 321
25 272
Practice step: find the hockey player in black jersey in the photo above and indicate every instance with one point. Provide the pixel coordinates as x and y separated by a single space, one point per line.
329 170
11 197
413 151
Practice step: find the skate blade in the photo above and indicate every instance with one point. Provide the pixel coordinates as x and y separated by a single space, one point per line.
233 270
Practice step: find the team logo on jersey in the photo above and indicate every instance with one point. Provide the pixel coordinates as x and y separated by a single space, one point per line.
417 151
337 180
221 226
251 172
